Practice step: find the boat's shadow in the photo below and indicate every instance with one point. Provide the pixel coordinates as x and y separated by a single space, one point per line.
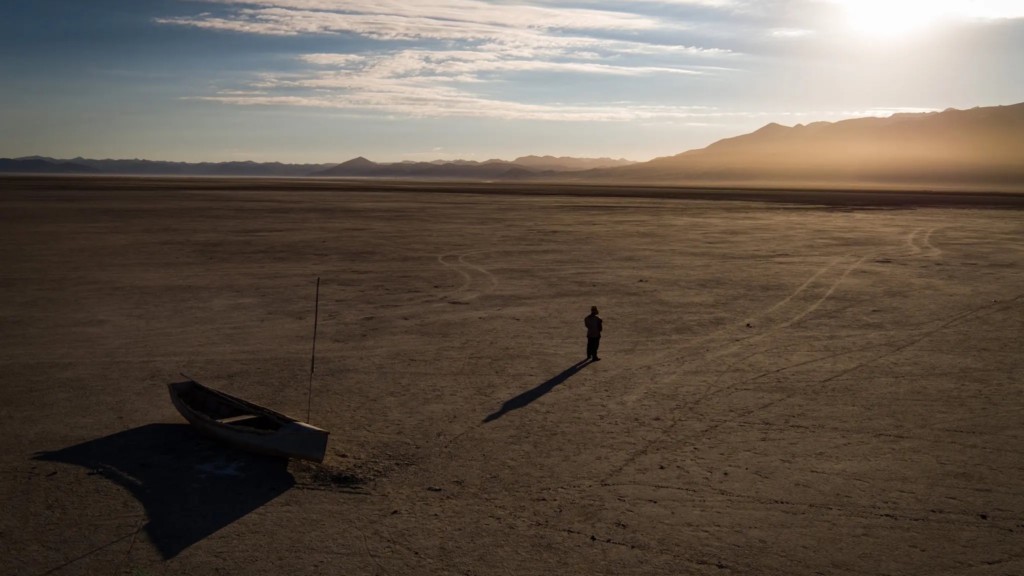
190 487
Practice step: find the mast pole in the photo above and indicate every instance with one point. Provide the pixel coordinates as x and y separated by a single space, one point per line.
312 358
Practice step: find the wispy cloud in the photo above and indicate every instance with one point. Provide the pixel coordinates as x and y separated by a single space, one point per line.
463 66
481 42
420 99
391 20
514 27
472 58
421 83
430 101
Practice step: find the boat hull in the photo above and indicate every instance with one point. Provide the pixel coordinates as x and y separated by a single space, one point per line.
246 425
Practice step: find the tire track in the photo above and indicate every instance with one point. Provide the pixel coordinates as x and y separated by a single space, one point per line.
736 328
476 280
791 313
916 248
954 320
919 243
796 316
930 250
711 391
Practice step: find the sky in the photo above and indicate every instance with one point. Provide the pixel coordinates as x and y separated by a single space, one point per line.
323 81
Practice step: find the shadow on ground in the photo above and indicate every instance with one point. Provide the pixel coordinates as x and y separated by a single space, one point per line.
190 487
533 394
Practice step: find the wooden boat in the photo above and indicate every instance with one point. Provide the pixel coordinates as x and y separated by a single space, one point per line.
247 425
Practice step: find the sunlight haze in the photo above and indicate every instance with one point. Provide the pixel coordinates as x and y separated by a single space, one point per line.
326 80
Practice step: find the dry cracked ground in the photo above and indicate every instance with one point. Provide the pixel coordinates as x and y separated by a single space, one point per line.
784 388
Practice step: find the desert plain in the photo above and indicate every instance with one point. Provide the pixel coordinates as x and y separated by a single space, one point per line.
787 386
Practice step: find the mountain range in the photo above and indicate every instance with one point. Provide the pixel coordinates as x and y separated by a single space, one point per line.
980 146
961 148
524 167
45 165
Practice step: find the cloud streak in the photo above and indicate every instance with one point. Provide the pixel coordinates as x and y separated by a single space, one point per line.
422 83
409 101
466 58
389 20
481 43
466 66
425 100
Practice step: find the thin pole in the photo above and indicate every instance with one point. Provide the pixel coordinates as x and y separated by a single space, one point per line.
312 359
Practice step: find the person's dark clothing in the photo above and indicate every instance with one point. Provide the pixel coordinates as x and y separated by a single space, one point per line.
594 326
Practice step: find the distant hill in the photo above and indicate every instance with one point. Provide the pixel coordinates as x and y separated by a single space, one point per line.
159 167
566 164
460 169
43 165
36 165
360 167
979 147
520 168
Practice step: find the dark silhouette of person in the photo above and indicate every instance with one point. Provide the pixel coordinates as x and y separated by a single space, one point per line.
593 324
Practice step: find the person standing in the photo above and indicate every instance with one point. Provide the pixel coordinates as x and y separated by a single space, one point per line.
593 324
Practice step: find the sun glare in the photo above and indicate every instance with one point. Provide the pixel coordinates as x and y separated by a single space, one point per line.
897 18
892 18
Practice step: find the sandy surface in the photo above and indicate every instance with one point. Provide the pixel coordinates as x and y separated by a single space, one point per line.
785 388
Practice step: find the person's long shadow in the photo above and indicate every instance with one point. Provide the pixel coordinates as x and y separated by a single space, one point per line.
529 396
190 486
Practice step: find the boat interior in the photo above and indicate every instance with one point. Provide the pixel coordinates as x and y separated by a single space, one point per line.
226 412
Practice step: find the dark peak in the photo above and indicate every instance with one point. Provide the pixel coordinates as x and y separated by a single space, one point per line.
358 162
